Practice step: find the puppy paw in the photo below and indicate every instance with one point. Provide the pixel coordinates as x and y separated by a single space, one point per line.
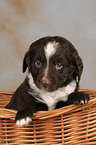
78 98
23 121
22 118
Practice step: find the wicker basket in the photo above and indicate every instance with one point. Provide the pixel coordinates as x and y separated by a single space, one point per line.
72 125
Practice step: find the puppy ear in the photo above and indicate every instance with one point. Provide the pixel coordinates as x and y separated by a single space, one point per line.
25 61
79 65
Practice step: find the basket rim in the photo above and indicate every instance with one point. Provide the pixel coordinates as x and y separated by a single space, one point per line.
9 113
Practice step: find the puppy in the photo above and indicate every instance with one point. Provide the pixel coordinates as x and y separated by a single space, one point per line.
52 81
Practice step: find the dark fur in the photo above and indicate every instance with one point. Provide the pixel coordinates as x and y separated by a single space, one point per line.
25 103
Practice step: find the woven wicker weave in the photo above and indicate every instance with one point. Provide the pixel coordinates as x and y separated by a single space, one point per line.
72 125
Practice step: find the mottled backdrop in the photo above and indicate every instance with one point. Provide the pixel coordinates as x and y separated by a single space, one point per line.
24 21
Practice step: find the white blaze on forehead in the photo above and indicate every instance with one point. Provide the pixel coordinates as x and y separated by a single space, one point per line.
50 50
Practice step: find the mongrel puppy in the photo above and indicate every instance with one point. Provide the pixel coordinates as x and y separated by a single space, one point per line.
52 81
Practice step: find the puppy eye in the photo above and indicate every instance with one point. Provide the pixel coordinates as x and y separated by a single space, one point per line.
38 63
59 66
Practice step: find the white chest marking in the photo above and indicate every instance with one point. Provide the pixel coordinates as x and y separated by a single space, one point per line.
51 98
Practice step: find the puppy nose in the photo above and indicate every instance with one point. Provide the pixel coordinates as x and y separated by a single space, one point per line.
45 83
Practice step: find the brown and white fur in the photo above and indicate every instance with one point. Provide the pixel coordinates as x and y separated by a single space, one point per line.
52 81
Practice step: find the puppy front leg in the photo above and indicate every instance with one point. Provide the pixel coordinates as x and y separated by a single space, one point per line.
23 117
78 98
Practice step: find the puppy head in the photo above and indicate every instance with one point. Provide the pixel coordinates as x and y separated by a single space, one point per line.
53 63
